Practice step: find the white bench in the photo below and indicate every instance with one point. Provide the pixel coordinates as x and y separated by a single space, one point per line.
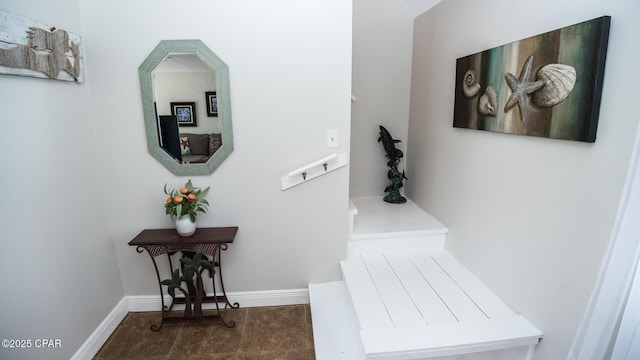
405 297
426 304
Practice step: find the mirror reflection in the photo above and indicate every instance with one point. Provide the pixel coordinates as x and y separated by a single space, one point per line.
186 103
187 107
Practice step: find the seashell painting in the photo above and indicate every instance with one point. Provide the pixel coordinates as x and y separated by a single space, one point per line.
488 102
559 80
470 85
547 85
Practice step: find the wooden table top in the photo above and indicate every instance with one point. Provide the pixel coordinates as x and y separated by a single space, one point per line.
211 235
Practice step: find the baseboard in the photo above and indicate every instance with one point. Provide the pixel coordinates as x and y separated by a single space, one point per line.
144 303
101 334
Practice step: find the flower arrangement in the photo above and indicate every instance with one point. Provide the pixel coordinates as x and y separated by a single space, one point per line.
187 200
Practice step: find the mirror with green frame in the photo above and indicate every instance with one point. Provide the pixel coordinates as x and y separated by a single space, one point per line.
187 107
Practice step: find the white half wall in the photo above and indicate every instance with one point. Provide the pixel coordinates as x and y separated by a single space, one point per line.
531 217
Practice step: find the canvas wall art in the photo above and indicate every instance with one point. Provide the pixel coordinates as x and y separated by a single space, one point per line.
547 85
28 48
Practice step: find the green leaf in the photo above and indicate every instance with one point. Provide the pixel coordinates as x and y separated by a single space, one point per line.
186 261
175 277
206 265
189 271
173 283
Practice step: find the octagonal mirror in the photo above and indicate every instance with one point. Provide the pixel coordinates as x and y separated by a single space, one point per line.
187 107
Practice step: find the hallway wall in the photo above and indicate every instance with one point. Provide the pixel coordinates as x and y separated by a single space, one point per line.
59 266
530 216
290 81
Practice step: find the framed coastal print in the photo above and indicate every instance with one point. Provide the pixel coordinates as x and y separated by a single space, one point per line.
547 85
185 112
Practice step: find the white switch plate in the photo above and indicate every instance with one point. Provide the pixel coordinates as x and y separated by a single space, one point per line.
332 138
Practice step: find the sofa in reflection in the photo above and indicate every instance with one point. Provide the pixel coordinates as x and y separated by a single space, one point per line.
198 148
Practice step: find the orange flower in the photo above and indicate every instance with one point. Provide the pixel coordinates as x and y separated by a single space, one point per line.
186 200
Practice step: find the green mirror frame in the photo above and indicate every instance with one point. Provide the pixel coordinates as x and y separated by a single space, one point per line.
224 105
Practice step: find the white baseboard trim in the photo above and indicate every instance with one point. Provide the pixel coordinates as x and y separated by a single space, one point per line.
101 334
144 303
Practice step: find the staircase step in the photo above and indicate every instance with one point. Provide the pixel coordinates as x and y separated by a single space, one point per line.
487 337
402 300
405 297
336 335
380 226
374 218
394 243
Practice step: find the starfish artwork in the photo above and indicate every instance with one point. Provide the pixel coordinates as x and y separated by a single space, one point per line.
521 88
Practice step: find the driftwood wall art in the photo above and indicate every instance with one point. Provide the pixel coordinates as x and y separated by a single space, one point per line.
547 85
31 49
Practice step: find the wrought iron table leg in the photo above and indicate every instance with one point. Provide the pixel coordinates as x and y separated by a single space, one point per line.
224 292
231 323
155 327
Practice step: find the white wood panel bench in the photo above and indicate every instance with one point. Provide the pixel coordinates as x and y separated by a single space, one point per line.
405 297
425 304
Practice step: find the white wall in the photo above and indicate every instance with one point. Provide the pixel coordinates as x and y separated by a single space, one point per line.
60 274
420 6
382 40
530 216
290 69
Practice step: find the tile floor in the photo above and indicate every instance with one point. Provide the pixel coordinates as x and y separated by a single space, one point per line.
279 332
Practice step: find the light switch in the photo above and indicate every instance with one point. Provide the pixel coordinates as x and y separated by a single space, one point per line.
332 138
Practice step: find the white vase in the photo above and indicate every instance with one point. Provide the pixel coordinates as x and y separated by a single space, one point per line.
184 226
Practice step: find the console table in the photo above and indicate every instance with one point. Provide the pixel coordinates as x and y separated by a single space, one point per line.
208 241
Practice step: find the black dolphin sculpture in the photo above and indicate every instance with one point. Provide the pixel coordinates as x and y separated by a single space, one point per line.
393 155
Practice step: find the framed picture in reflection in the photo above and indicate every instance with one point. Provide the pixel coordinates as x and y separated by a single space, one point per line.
212 103
185 112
